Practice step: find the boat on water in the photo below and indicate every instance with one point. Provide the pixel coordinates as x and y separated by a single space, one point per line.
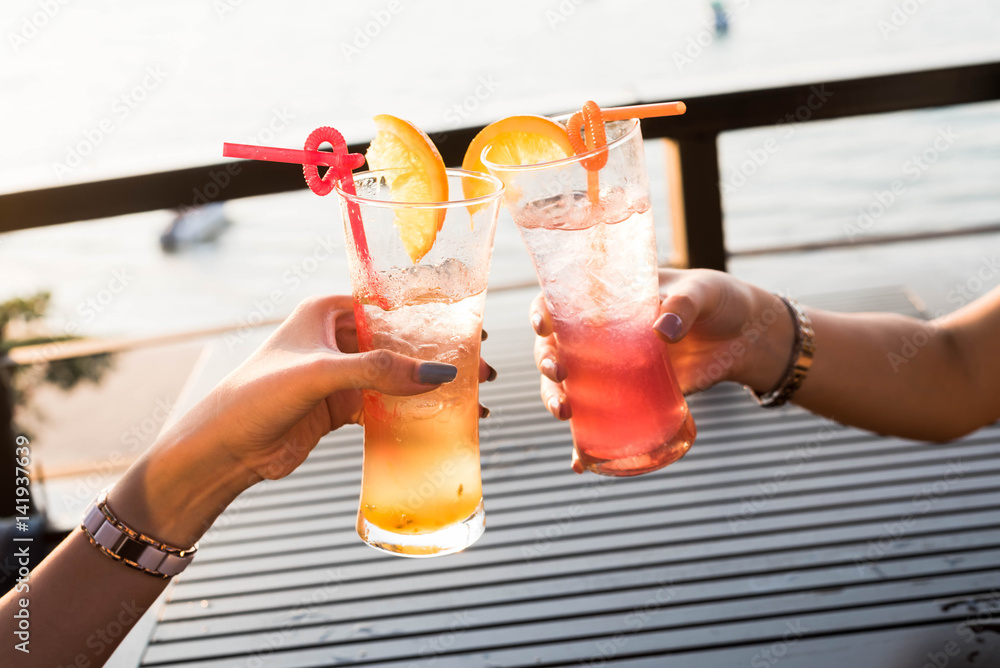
198 225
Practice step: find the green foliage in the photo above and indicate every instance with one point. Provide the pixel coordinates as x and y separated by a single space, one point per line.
26 309
64 373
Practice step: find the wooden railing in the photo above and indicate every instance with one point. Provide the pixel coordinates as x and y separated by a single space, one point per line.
697 216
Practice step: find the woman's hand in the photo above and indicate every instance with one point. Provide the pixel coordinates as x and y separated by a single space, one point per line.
302 383
718 328
263 419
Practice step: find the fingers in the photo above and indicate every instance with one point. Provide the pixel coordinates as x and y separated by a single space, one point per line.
576 464
555 400
686 299
386 372
347 332
487 374
547 360
541 321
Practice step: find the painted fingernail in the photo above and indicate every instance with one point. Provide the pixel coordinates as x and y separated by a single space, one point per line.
484 412
559 408
483 335
536 322
435 373
669 325
492 374
553 406
550 369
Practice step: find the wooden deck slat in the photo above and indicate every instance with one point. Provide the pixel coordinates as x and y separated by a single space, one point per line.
691 508
759 573
670 606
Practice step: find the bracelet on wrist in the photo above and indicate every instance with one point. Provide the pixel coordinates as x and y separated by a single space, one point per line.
799 362
122 543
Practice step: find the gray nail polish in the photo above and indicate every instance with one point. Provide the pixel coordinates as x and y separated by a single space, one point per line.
669 324
536 321
435 373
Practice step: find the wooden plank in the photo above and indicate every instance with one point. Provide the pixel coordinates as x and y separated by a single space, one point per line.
649 621
749 574
318 532
681 606
535 551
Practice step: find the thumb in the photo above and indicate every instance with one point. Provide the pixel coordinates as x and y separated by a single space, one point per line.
393 373
680 310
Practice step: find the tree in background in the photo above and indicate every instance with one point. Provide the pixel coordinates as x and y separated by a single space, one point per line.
17 383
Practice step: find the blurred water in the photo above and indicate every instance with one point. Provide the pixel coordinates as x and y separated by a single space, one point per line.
146 86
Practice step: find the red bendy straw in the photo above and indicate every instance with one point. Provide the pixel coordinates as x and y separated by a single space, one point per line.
340 163
294 156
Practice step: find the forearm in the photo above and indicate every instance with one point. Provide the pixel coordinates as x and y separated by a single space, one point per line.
82 602
883 372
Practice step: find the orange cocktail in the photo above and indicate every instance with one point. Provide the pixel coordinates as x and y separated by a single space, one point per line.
423 296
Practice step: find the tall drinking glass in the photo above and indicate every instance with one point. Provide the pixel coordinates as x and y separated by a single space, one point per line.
421 493
591 240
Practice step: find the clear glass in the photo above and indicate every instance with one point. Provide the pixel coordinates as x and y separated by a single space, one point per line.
421 492
591 240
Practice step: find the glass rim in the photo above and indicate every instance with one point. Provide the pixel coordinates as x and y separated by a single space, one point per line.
561 162
452 203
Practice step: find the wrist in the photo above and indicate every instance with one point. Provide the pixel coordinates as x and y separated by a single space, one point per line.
771 337
177 489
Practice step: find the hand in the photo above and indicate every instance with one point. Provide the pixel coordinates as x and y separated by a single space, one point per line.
264 418
304 382
718 328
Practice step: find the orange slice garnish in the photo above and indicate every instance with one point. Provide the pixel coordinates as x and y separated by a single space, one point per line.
417 176
515 140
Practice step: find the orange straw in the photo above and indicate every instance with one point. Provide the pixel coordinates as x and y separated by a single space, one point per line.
592 118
